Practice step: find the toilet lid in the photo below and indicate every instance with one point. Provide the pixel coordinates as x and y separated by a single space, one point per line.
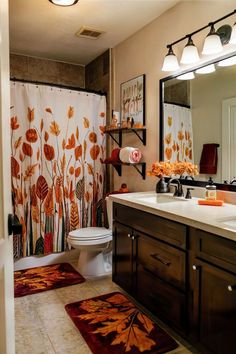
90 233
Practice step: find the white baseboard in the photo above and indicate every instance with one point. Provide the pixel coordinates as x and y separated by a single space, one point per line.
38 261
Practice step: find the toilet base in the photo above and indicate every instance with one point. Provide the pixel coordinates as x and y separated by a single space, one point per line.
94 264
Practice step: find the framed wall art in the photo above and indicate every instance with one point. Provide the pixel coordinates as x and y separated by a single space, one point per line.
132 98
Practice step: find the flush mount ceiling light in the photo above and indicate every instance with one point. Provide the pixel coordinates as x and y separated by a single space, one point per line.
170 61
206 69
190 53
64 2
228 62
213 44
187 76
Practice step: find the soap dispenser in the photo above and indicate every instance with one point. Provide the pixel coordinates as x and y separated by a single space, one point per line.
210 190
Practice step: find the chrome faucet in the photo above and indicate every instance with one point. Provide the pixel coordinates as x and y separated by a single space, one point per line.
232 181
178 189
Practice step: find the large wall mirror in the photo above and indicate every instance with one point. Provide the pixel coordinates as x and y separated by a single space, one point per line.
198 121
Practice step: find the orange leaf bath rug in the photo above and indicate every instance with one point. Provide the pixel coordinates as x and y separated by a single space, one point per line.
111 323
34 280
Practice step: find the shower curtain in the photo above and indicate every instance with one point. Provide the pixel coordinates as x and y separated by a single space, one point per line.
58 145
178 133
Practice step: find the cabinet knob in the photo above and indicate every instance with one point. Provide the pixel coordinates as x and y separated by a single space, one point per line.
195 267
231 287
133 237
129 235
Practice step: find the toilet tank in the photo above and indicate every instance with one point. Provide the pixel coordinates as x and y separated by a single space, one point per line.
109 211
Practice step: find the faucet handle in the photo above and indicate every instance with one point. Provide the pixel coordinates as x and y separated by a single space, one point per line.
188 194
176 191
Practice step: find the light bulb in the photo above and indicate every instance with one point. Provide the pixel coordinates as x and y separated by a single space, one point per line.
190 53
170 61
233 35
206 69
64 2
187 76
228 62
212 43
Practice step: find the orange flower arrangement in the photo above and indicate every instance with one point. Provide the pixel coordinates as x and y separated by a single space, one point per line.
166 168
160 169
179 168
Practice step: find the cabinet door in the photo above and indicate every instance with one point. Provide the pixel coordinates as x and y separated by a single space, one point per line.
124 253
215 308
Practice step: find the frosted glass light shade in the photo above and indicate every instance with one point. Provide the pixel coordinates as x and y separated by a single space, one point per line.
233 35
190 53
64 2
228 62
212 43
170 61
187 76
206 69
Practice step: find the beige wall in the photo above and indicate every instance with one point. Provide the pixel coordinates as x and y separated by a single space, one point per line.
143 53
208 92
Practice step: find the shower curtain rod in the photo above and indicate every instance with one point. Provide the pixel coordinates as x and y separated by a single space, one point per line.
71 88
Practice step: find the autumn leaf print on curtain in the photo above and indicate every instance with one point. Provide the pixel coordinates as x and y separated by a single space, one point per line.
178 133
58 144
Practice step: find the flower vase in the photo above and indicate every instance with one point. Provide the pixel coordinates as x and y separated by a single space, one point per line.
162 186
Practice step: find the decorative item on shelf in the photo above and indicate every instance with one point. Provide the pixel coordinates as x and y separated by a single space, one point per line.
128 122
124 123
115 119
130 154
114 158
213 44
132 100
138 125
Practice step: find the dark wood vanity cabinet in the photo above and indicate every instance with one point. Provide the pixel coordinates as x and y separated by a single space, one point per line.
213 286
148 266
183 275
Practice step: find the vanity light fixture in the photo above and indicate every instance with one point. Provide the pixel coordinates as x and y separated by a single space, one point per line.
187 76
64 2
228 62
170 61
233 35
206 69
212 45
190 53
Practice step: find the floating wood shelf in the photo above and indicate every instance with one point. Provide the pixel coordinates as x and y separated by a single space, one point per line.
140 132
140 167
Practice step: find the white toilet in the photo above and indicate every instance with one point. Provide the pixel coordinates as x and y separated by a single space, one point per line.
95 245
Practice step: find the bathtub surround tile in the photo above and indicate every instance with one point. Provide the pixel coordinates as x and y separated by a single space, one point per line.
35 280
40 330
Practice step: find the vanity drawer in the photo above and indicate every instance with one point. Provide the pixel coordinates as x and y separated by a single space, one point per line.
215 249
162 260
156 226
164 301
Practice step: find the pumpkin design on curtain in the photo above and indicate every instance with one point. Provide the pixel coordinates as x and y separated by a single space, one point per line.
58 145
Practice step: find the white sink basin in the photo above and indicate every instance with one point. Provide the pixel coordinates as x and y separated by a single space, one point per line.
229 222
159 199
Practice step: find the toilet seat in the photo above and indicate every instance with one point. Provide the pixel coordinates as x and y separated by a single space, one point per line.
90 236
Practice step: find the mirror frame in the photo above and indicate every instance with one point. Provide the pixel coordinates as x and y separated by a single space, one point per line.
221 186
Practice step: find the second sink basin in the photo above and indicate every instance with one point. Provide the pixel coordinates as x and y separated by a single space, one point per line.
159 199
229 222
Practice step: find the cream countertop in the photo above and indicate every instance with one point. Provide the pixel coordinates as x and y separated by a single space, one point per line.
186 211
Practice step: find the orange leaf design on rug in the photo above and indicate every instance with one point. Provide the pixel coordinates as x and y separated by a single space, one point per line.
117 314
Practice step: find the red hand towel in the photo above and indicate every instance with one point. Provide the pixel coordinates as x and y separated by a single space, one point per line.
209 159
114 158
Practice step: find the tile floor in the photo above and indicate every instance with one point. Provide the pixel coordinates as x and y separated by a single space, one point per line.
43 326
